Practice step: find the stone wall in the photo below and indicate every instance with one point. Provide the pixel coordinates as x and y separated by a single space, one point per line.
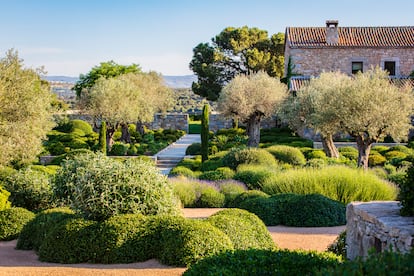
377 225
177 121
218 121
313 61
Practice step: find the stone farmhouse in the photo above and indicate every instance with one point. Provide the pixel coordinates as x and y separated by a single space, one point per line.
313 50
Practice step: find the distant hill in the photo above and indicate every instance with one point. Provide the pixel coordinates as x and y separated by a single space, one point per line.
170 81
179 81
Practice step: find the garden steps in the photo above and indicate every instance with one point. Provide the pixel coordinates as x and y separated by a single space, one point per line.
169 157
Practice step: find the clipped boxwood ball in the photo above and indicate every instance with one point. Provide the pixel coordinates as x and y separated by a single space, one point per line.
186 241
35 231
238 156
71 241
313 210
271 210
117 235
288 154
264 262
12 221
243 228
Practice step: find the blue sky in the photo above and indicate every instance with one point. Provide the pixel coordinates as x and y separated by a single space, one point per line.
69 37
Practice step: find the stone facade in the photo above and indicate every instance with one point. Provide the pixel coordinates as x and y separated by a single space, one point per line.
312 62
313 50
377 226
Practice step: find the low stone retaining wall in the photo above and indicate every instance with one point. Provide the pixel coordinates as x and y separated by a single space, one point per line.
377 225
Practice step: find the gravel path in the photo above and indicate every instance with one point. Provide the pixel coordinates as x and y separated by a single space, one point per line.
22 262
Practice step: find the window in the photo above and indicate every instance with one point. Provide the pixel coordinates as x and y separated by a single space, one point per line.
357 66
390 67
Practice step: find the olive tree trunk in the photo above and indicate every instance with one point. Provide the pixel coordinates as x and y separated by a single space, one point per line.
364 148
253 130
329 146
126 136
110 131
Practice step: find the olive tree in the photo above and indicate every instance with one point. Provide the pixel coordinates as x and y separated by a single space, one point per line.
371 108
250 98
314 106
127 98
25 111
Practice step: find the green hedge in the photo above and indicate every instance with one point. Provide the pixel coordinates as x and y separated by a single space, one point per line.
35 231
339 183
235 203
12 221
210 197
218 174
244 229
406 194
193 149
264 262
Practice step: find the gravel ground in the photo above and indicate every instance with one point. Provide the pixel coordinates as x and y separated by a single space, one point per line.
21 262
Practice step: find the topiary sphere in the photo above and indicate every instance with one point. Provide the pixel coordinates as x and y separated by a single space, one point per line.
186 241
12 221
36 230
243 228
288 154
100 187
238 156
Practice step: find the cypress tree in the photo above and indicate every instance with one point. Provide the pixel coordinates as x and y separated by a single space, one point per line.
204 132
102 138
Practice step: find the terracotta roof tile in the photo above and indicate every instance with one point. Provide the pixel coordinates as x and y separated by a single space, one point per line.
315 37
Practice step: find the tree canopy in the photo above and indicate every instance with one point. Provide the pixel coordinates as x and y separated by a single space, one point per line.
25 111
106 70
367 106
233 52
250 98
125 99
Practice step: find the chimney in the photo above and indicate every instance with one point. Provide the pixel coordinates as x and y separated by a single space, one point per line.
332 32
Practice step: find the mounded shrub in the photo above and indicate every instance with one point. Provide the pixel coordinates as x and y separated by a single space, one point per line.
338 247
85 127
182 171
316 163
406 194
99 187
287 154
385 263
238 156
119 149
29 189
394 154
313 211
186 241
253 175
339 183
193 149
4 196
35 231
316 154
231 189
264 262
211 164
271 210
219 174
210 198
376 160
349 152
12 221
124 239
246 196
185 190
71 241
244 229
